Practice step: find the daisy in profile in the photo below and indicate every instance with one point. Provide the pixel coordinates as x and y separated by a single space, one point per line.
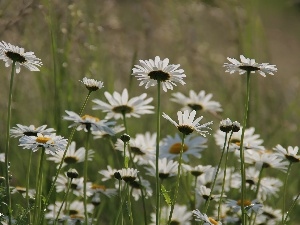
187 125
102 134
180 216
203 194
22 191
142 147
198 102
51 143
149 72
72 156
196 170
119 104
88 122
249 65
108 192
290 153
166 168
21 130
250 206
269 216
10 53
128 174
170 147
204 218
108 174
91 84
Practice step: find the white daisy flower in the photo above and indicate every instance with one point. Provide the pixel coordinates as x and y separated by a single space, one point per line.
166 168
102 134
152 71
204 218
120 104
72 156
108 174
51 143
21 130
206 179
250 206
290 153
198 102
136 187
76 186
186 123
196 170
251 140
22 191
226 215
128 174
203 193
249 65
269 216
180 216
170 147
142 147
10 53
91 84
97 188
88 122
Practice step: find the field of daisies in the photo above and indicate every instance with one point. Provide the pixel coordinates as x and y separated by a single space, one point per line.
131 114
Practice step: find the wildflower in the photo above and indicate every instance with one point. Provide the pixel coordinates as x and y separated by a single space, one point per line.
72 156
187 124
197 170
72 173
152 71
108 192
236 126
225 125
129 174
137 187
207 178
198 102
249 65
170 147
119 104
125 138
166 168
204 193
108 174
250 206
88 123
31 130
22 191
290 153
10 53
269 216
51 143
102 134
91 84
204 218
180 216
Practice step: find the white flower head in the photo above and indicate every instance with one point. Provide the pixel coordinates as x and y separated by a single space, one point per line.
51 143
166 168
249 65
290 153
136 188
204 218
119 104
92 84
21 130
152 71
128 174
102 134
250 206
187 125
10 53
108 174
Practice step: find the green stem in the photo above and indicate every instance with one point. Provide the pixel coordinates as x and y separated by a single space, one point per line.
62 160
157 188
121 204
85 176
290 209
178 179
7 142
63 201
129 205
284 191
27 184
243 174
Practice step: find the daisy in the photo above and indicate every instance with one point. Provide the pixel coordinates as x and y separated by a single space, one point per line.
198 102
249 65
136 188
10 53
108 174
225 125
226 215
51 143
290 153
88 122
152 71
187 124
269 186
120 104
197 170
204 218
72 156
251 140
128 174
108 192
204 193
180 216
207 178
91 84
269 216
170 147
22 130
142 147
250 206
22 191
102 134
166 168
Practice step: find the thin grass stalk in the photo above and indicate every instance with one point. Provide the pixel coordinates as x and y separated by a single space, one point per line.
243 172
284 190
157 187
121 205
178 179
12 74
27 185
85 169
129 205
224 177
291 208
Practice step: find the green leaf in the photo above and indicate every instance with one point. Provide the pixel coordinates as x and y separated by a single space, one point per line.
166 195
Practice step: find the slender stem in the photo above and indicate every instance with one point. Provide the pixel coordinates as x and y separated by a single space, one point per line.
27 184
215 177
224 177
7 142
121 205
124 121
157 187
63 201
290 209
62 160
85 176
129 205
178 179
243 174
284 191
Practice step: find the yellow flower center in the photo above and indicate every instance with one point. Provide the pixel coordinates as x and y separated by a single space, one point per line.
86 117
176 148
246 202
42 139
235 141
213 221
98 187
